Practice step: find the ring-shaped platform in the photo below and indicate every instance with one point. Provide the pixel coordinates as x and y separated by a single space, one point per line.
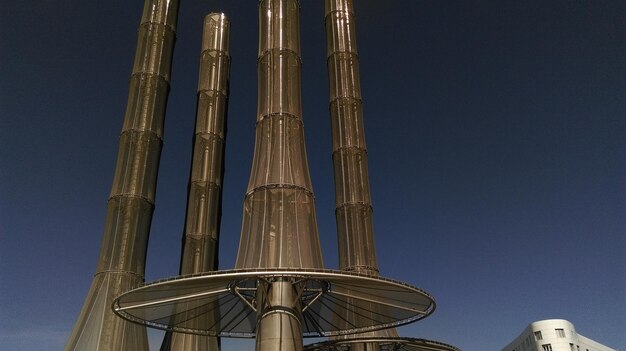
383 343
222 303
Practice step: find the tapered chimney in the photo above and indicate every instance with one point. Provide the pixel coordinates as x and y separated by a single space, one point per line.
204 200
279 228
130 206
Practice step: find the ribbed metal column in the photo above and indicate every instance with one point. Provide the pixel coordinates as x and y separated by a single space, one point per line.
279 228
129 210
352 191
204 201
355 230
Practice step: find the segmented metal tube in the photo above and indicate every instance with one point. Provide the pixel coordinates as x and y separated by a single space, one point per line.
204 200
131 204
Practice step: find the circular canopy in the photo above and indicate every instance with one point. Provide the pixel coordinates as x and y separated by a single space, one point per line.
223 303
384 344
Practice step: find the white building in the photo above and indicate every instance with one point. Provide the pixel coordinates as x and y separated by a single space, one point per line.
553 335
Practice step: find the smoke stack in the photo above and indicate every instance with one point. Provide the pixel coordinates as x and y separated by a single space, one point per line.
353 205
279 291
279 227
131 204
204 200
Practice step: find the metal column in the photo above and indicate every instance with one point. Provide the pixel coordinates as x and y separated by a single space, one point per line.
130 206
204 201
279 228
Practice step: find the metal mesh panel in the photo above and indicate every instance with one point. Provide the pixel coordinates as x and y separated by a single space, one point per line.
147 97
356 241
279 154
344 79
279 78
154 37
125 234
347 123
279 230
279 21
214 67
137 164
340 31
352 181
210 103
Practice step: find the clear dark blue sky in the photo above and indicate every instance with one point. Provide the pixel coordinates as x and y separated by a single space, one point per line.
496 136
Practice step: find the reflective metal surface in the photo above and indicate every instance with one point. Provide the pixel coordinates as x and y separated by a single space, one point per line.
355 230
130 206
279 227
201 231
330 302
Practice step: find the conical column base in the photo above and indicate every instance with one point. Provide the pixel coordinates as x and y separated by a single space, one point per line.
100 329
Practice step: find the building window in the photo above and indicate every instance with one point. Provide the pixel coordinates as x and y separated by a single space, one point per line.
560 333
547 347
538 335
571 346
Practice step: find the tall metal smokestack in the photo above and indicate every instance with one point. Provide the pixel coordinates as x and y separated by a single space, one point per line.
279 291
279 228
131 204
353 205
204 201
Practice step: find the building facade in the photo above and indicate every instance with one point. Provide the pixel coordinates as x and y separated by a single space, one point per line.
553 335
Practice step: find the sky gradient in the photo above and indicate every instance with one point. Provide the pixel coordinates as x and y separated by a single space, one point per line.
496 143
